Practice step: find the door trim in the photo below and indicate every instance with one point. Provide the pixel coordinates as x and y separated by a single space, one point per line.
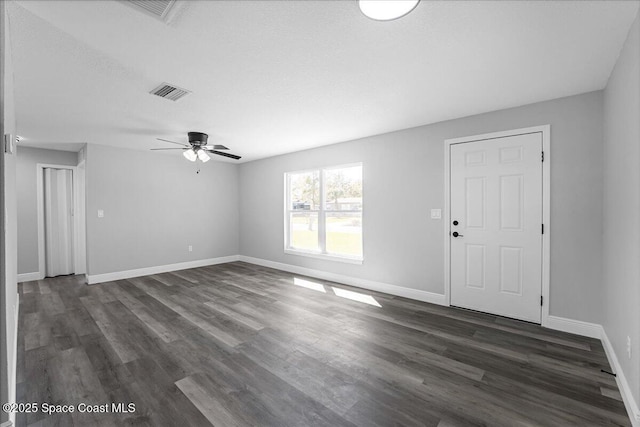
545 130
79 252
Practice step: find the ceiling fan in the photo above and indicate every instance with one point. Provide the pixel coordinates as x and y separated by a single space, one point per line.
197 148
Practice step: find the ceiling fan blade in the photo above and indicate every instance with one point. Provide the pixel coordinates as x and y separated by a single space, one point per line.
156 149
173 142
215 147
220 153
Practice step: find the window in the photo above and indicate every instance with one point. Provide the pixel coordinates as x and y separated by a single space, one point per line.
324 213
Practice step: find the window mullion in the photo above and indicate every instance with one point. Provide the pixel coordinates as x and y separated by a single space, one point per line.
288 211
322 238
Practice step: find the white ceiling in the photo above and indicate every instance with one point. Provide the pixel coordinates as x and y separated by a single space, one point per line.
270 77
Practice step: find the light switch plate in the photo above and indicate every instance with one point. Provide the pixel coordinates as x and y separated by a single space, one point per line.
436 213
100 213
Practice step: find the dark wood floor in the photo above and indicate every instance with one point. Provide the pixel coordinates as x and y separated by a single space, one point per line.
241 345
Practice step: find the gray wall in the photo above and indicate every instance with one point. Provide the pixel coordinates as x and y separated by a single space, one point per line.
9 225
621 286
27 160
155 206
403 180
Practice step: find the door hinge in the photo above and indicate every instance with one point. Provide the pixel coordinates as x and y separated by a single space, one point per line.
542 228
543 156
541 300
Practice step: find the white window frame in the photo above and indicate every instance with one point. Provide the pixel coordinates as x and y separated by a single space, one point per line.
322 211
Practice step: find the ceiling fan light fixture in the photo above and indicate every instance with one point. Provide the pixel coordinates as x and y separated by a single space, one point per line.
190 155
203 156
197 148
386 10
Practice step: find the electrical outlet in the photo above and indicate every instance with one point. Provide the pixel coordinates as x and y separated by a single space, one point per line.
190 248
629 346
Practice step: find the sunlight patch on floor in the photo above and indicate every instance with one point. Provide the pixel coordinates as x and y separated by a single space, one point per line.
356 296
309 285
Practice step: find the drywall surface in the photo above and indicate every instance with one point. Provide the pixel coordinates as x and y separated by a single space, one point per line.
9 227
155 206
27 161
621 284
403 180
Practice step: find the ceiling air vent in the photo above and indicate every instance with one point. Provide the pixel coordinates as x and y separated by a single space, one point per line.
161 9
168 91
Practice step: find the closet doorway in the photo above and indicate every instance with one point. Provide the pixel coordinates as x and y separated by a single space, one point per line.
61 228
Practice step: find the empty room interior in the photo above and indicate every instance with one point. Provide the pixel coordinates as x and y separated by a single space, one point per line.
320 213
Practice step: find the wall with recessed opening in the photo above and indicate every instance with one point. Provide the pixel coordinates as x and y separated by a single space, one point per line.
26 163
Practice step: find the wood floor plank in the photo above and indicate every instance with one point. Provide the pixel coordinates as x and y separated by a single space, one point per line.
245 320
243 345
197 320
612 393
141 312
111 331
214 410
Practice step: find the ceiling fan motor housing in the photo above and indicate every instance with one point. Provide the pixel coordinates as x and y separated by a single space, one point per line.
198 138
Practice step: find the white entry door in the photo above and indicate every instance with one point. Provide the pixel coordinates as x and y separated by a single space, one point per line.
496 226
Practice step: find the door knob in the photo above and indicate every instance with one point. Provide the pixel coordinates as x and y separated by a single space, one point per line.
456 234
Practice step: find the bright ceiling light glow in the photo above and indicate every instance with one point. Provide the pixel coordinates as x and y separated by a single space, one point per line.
309 285
356 296
386 10
203 156
190 155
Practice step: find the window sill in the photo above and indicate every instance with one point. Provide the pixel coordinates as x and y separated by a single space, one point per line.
326 257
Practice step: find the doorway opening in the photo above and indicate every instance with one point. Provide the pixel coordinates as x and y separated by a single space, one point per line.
61 220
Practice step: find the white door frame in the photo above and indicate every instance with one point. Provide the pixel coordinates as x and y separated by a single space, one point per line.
79 252
545 130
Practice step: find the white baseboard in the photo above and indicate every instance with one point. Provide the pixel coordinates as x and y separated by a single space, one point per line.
578 327
13 372
386 288
27 277
594 330
120 275
623 385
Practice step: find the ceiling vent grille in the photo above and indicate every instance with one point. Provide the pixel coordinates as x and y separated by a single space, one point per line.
160 9
168 91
